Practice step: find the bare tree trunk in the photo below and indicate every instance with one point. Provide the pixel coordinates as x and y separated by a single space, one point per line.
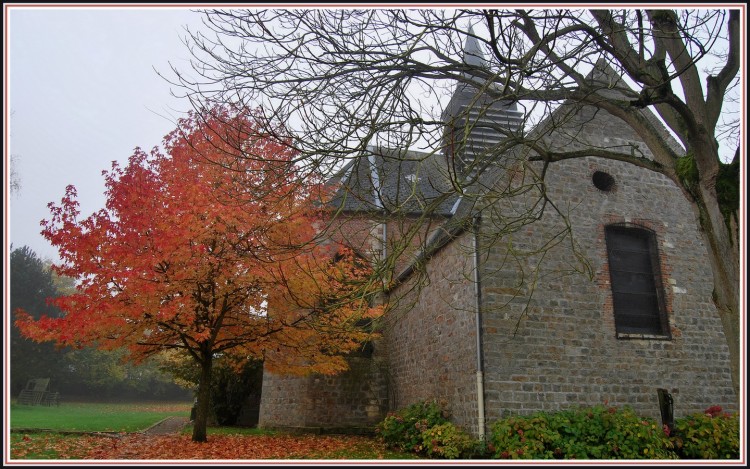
204 398
723 253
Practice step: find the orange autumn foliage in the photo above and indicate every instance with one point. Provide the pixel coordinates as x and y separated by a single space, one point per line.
208 247
234 449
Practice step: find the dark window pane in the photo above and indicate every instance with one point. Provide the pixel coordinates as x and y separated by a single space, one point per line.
624 240
642 304
630 282
630 262
634 326
634 279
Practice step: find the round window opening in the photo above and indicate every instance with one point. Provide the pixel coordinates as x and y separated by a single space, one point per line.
603 181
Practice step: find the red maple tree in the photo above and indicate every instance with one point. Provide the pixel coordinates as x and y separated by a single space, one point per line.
208 248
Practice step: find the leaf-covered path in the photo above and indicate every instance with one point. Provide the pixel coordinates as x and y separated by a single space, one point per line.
168 426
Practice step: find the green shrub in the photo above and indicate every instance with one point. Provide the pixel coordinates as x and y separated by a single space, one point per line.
230 389
632 437
523 438
589 433
710 435
446 441
403 429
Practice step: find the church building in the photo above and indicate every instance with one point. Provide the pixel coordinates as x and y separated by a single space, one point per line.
509 294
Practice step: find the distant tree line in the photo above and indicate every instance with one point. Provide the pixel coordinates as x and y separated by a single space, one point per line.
84 373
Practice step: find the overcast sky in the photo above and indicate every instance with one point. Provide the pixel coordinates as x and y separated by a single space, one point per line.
83 92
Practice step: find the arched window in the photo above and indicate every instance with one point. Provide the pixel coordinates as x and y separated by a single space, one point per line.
637 291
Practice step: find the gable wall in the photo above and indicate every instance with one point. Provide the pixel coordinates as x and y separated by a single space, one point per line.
564 351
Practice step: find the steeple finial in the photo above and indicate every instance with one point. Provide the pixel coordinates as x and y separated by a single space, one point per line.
473 54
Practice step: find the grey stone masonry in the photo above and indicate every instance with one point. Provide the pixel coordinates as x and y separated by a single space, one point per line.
353 401
431 336
548 327
536 317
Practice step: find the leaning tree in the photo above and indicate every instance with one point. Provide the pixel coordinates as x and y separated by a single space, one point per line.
349 78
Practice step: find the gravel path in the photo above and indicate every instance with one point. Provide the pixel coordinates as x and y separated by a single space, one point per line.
167 426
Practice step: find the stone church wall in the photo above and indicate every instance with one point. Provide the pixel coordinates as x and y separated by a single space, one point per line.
357 399
431 336
550 341
352 402
547 322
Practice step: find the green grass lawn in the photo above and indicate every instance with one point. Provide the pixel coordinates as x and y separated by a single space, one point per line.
94 417
132 417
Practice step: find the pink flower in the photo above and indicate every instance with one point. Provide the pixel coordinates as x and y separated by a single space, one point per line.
713 411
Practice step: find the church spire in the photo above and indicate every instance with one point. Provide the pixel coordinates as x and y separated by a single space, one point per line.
476 123
473 55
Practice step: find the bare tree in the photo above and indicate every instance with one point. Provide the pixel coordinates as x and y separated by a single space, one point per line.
14 177
348 79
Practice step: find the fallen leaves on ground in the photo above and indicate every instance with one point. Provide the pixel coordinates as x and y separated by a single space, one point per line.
56 446
232 447
218 447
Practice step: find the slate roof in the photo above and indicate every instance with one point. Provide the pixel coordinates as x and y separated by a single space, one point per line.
391 180
396 180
